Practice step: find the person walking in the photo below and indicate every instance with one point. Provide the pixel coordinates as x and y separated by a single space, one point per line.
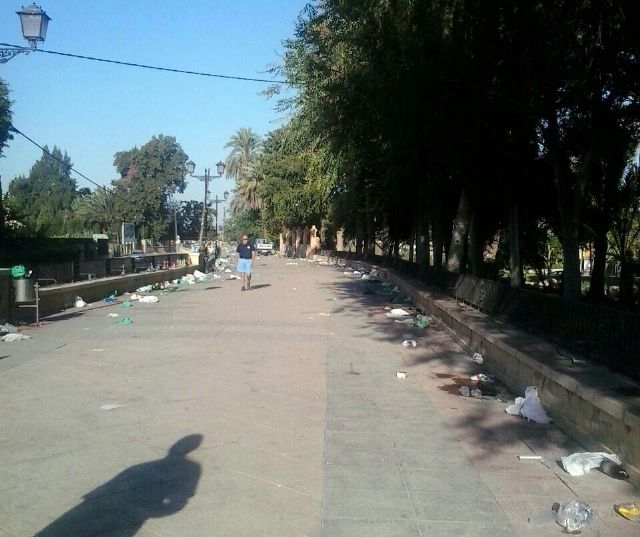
246 254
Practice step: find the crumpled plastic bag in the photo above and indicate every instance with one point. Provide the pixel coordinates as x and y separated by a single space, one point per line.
144 289
422 321
529 407
409 343
8 328
397 313
14 337
580 463
149 299
79 303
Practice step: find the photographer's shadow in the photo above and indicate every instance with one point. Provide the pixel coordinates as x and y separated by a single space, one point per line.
153 489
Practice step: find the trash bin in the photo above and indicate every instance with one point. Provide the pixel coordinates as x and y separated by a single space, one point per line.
22 285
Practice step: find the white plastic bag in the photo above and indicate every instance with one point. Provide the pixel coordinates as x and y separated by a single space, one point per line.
514 409
79 303
150 299
532 408
14 337
580 463
397 312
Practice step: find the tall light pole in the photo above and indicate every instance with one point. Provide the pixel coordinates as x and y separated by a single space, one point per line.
34 23
191 167
216 201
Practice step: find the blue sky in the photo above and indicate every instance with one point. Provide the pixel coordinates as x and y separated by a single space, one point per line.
93 110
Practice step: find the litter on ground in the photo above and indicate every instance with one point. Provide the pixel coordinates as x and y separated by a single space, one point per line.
409 343
149 299
9 338
114 315
579 464
529 407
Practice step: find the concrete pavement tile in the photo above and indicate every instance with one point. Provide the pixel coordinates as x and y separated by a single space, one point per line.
428 438
4 533
363 477
369 528
448 480
409 413
367 504
371 425
347 456
451 459
431 528
368 440
460 506
357 412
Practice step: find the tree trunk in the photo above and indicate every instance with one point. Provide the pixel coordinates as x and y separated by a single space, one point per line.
412 240
476 246
437 236
599 264
371 237
626 279
459 234
571 263
515 263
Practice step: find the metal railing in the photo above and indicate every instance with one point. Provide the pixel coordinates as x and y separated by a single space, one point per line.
604 334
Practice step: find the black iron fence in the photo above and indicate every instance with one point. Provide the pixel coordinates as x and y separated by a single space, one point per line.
604 334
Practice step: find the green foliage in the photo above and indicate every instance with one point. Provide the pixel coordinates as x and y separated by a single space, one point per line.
241 165
237 224
42 202
149 177
5 116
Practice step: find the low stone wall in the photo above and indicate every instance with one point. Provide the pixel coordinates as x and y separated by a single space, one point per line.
55 298
599 408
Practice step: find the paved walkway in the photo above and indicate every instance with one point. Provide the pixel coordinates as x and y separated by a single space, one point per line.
221 413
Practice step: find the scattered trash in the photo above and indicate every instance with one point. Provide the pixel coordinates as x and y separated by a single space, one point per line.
630 511
408 320
199 275
125 304
324 314
409 343
149 299
233 277
79 303
464 391
98 350
291 263
110 407
144 289
477 358
574 515
580 463
8 328
397 312
529 458
529 407
401 374
124 321
422 321
114 315
476 393
217 276
13 336
365 277
109 299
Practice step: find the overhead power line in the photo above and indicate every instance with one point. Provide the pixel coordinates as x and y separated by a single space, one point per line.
142 66
44 150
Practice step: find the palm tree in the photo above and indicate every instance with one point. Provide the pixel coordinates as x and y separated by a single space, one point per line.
245 147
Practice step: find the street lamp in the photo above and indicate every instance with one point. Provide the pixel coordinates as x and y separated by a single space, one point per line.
34 24
191 167
216 201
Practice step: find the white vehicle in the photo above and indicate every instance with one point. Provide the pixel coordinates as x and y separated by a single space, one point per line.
263 247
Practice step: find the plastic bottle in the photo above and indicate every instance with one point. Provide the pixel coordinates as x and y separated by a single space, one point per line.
574 515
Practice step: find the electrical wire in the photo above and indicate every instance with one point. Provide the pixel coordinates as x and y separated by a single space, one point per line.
143 66
113 192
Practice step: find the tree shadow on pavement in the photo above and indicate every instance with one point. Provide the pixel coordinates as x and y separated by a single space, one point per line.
152 489
260 286
212 288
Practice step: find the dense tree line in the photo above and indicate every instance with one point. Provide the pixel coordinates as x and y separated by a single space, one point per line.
459 124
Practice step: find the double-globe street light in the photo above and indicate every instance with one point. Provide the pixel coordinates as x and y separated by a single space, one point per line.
191 167
225 197
34 23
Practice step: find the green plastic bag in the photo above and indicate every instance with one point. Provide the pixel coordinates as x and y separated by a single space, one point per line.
124 321
18 271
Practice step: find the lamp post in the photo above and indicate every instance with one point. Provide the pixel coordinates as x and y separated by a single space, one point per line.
216 201
34 24
191 167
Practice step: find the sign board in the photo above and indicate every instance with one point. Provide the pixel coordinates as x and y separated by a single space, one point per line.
128 233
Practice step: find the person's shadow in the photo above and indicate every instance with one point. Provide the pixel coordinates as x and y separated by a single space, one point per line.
149 490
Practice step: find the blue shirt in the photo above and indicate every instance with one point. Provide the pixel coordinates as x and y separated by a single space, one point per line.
245 250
